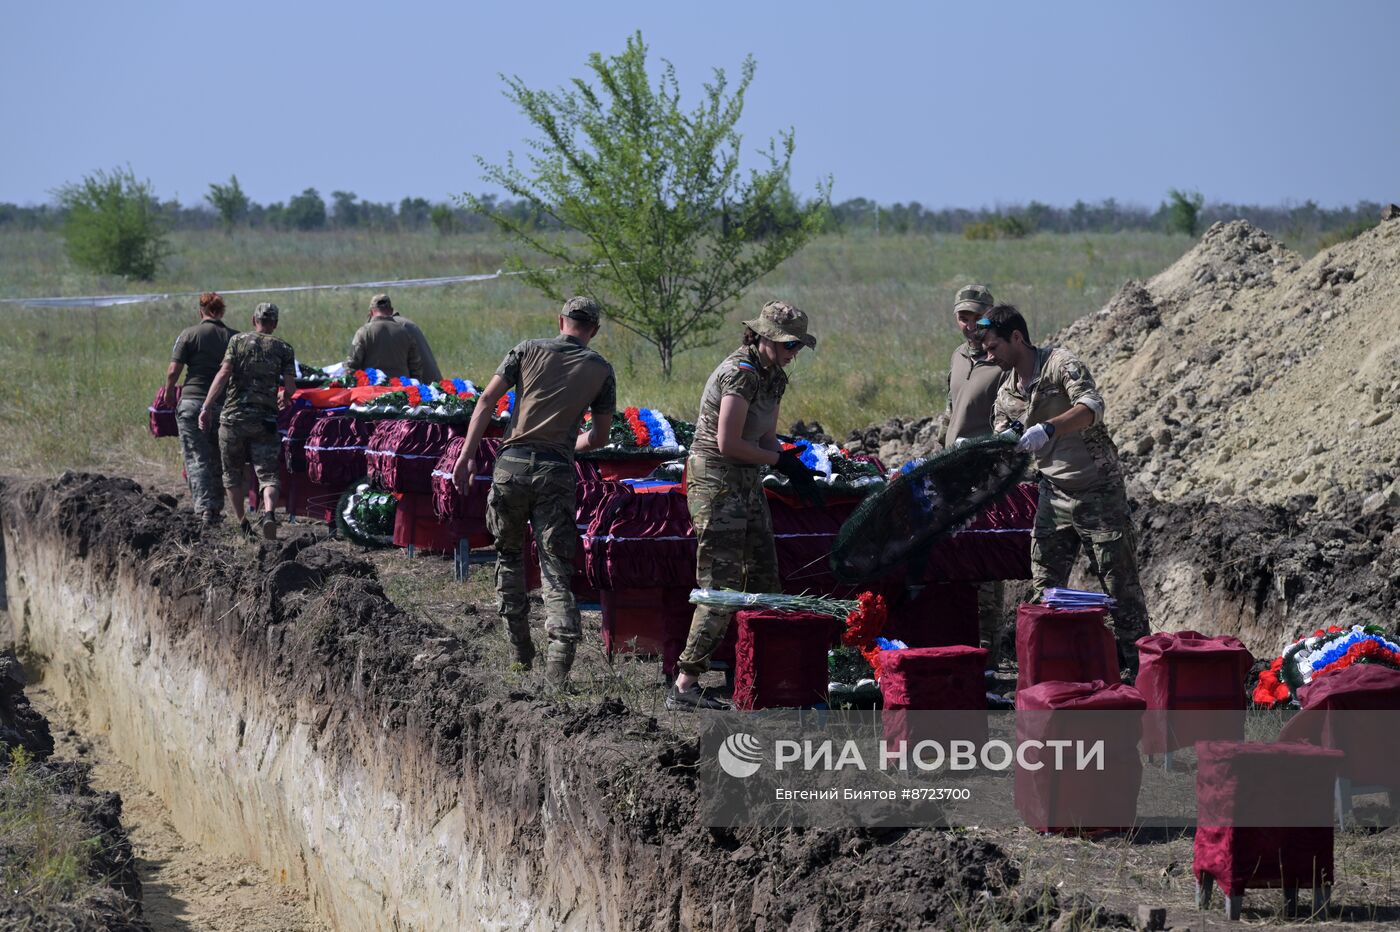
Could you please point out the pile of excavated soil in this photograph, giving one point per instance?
(1252, 396)
(112, 899)
(1247, 374)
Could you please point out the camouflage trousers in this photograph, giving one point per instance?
(734, 547)
(990, 596)
(1098, 519)
(203, 465)
(540, 493)
(255, 440)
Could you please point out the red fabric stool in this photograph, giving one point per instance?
(1067, 799)
(947, 679)
(780, 659)
(416, 525)
(1354, 710)
(938, 615)
(640, 621)
(1240, 789)
(1069, 645)
(1192, 673)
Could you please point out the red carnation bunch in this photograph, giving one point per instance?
(633, 416)
(864, 624)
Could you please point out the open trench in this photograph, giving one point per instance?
(270, 732)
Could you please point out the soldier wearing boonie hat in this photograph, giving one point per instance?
(972, 389)
(533, 486)
(736, 436)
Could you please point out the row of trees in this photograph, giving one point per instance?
(227, 206)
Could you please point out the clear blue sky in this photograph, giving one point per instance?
(966, 104)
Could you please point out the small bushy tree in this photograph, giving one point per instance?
(643, 203)
(114, 225)
(230, 201)
(1184, 212)
(306, 211)
(444, 219)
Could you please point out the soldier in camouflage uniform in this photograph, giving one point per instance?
(736, 436)
(199, 350)
(555, 381)
(255, 364)
(1082, 498)
(972, 388)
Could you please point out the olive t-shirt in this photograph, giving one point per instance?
(555, 381)
(200, 349)
(742, 373)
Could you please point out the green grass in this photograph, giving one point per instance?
(77, 382)
(45, 846)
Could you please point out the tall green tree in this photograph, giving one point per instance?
(643, 204)
(113, 224)
(1184, 211)
(230, 201)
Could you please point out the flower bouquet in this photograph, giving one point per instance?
(1319, 654)
(837, 472)
(361, 378)
(642, 432)
(365, 515)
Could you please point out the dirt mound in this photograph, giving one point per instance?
(43, 804)
(897, 441)
(1247, 374)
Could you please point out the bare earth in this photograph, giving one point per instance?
(183, 887)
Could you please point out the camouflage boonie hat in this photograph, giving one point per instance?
(782, 321)
(382, 302)
(973, 298)
(265, 311)
(582, 308)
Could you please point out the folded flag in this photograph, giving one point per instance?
(1076, 598)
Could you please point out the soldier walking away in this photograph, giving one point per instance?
(555, 381)
(736, 436)
(199, 350)
(972, 388)
(1082, 498)
(384, 342)
(255, 364)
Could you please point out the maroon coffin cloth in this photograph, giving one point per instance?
(1193, 673)
(163, 422)
(451, 505)
(780, 659)
(677, 632)
(641, 542)
(1238, 786)
(803, 537)
(922, 679)
(995, 545)
(1333, 716)
(335, 450)
(402, 454)
(1071, 645)
(297, 429)
(1067, 799)
(934, 615)
(641, 621)
(416, 524)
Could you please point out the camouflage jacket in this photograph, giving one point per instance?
(259, 362)
(1072, 462)
(742, 373)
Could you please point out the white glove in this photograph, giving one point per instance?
(1033, 440)
(961, 442)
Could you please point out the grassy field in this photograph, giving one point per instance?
(77, 382)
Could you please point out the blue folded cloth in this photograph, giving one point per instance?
(1076, 598)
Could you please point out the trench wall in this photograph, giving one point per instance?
(349, 761)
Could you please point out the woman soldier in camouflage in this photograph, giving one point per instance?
(736, 435)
